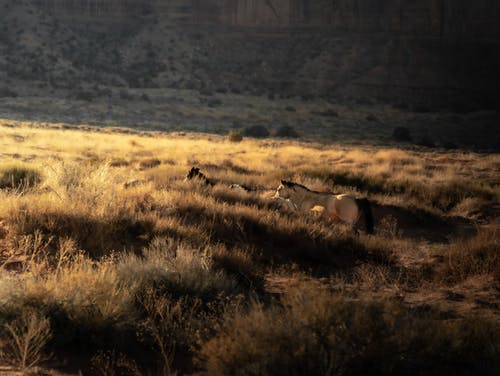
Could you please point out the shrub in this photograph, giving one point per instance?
(286, 131)
(421, 108)
(26, 338)
(257, 131)
(327, 113)
(214, 103)
(5, 92)
(449, 145)
(207, 92)
(149, 163)
(18, 177)
(125, 95)
(84, 96)
(177, 269)
(314, 332)
(234, 136)
(118, 162)
(427, 142)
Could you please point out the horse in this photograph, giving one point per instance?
(195, 173)
(337, 208)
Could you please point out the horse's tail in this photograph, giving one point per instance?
(366, 207)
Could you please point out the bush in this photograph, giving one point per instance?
(427, 142)
(257, 131)
(449, 145)
(214, 103)
(149, 163)
(26, 338)
(84, 96)
(421, 108)
(402, 134)
(327, 113)
(125, 95)
(287, 131)
(234, 136)
(176, 269)
(5, 92)
(18, 177)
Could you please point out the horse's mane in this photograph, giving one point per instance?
(291, 184)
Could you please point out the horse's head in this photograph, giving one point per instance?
(194, 172)
(284, 190)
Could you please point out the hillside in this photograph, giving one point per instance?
(438, 53)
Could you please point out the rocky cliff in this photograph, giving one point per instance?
(464, 18)
(428, 50)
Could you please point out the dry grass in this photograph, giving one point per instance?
(120, 255)
(26, 338)
(479, 255)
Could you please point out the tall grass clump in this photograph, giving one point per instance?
(479, 255)
(84, 203)
(19, 177)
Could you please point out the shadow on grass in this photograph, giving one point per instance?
(275, 239)
(97, 237)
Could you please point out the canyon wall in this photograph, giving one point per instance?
(466, 18)
(436, 50)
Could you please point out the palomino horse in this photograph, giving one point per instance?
(338, 208)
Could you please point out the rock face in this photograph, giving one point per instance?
(464, 18)
(427, 50)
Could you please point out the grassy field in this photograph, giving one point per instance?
(111, 263)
